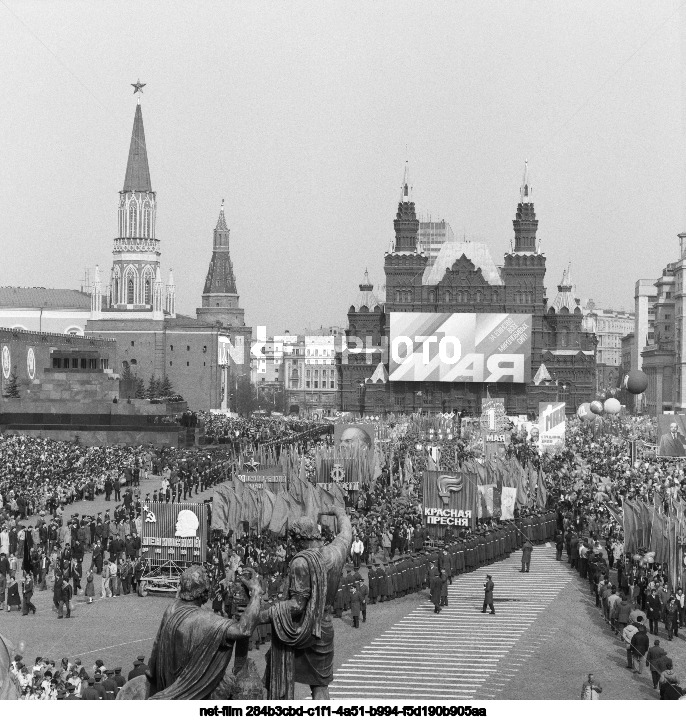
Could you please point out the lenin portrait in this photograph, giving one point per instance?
(672, 443)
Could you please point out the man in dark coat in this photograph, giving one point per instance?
(364, 593)
(89, 693)
(559, 545)
(654, 661)
(444, 588)
(435, 585)
(640, 643)
(110, 686)
(488, 595)
(65, 595)
(653, 611)
(118, 678)
(527, 548)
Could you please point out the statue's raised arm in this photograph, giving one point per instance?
(302, 627)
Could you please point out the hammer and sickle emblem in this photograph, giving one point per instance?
(338, 473)
(446, 485)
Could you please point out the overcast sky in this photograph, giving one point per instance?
(299, 115)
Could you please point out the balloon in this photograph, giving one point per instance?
(612, 406)
(635, 382)
(597, 408)
(584, 412)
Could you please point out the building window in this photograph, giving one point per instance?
(74, 362)
(146, 222)
(56, 362)
(332, 384)
(132, 219)
(147, 291)
(307, 384)
(188, 347)
(84, 364)
(132, 343)
(129, 291)
(447, 298)
(170, 362)
(187, 363)
(171, 347)
(93, 364)
(204, 349)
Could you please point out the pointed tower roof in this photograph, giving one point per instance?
(405, 188)
(137, 170)
(220, 277)
(406, 224)
(525, 224)
(221, 222)
(366, 297)
(525, 190)
(565, 297)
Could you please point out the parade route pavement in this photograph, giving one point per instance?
(546, 636)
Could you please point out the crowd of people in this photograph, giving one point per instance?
(587, 482)
(45, 679)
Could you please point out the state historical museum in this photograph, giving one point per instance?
(464, 280)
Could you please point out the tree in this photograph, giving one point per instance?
(153, 388)
(140, 388)
(166, 388)
(12, 386)
(271, 399)
(245, 396)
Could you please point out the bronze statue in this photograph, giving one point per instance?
(193, 646)
(9, 690)
(302, 627)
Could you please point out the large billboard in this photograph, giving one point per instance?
(460, 347)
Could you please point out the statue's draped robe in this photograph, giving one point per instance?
(302, 644)
(9, 690)
(190, 653)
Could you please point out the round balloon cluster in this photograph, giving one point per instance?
(606, 403)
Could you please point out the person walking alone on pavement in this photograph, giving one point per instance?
(435, 587)
(355, 605)
(527, 548)
(27, 593)
(590, 691)
(488, 595)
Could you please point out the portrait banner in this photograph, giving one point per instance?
(671, 434)
(174, 532)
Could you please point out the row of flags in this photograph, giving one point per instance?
(659, 528)
(236, 503)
